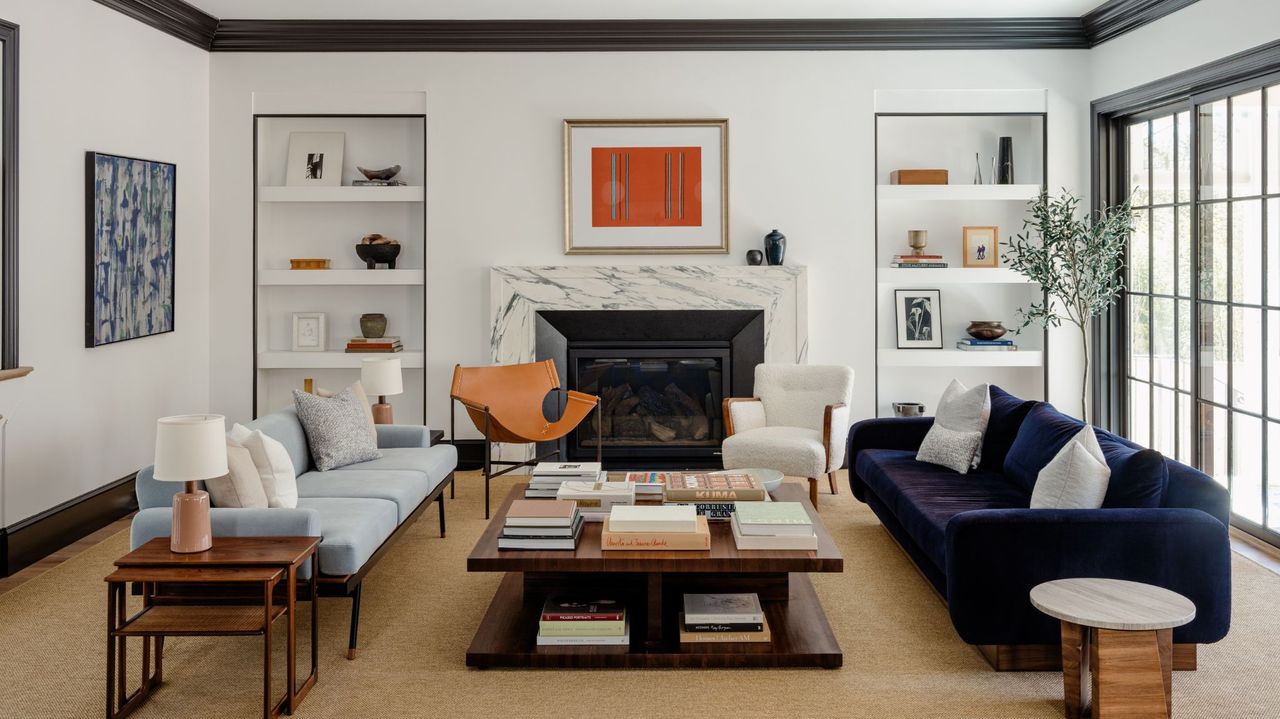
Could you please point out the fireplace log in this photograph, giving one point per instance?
(661, 431)
(682, 401)
(653, 403)
(626, 406)
(698, 427)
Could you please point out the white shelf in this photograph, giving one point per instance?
(950, 275)
(340, 277)
(332, 360)
(345, 193)
(965, 193)
(960, 358)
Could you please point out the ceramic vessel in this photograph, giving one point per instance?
(375, 254)
(917, 240)
(908, 409)
(986, 329)
(755, 257)
(1004, 162)
(373, 325)
(775, 247)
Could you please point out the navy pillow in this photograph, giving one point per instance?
(1007, 414)
(1042, 434)
(1138, 476)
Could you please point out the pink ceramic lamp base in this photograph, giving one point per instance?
(191, 529)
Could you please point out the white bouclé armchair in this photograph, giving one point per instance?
(796, 423)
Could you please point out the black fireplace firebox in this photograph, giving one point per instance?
(661, 376)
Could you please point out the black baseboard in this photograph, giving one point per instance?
(35, 538)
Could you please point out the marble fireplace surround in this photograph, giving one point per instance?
(517, 293)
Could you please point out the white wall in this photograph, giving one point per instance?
(801, 160)
(93, 79)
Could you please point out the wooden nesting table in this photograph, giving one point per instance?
(652, 584)
(1124, 632)
(233, 589)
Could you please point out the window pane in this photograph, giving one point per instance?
(1184, 251)
(1139, 337)
(1164, 428)
(1273, 251)
(1184, 156)
(1139, 253)
(1246, 358)
(1273, 363)
(1213, 442)
(1140, 412)
(1184, 428)
(1246, 252)
(1212, 169)
(1273, 139)
(1246, 466)
(1163, 336)
(1138, 148)
(1273, 475)
(1213, 251)
(1246, 144)
(1162, 160)
(1162, 251)
(1213, 353)
(1184, 344)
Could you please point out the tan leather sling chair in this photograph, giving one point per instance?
(505, 404)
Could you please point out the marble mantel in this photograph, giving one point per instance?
(517, 293)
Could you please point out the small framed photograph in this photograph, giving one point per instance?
(919, 319)
(308, 332)
(315, 159)
(982, 247)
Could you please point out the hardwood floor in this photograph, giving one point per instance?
(25, 575)
(1247, 545)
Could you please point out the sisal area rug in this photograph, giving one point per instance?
(902, 658)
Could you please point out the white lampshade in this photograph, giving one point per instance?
(380, 376)
(191, 447)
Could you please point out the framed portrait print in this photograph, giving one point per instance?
(315, 159)
(646, 186)
(918, 319)
(982, 247)
(308, 332)
(130, 218)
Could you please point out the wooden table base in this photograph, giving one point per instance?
(1132, 673)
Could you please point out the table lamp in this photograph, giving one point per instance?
(381, 376)
(191, 448)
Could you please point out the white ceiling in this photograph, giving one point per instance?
(636, 9)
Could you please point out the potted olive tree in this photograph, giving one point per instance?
(1076, 259)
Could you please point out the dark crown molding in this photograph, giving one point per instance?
(1244, 65)
(175, 17)
(189, 23)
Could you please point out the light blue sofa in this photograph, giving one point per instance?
(358, 509)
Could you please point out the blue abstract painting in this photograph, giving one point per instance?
(130, 215)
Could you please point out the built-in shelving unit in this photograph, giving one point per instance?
(943, 130)
(327, 222)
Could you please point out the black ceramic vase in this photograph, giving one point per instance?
(775, 247)
(755, 257)
(1004, 163)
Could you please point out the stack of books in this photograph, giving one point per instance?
(655, 527)
(918, 261)
(970, 344)
(723, 618)
(571, 622)
(374, 344)
(650, 483)
(533, 524)
(713, 495)
(378, 183)
(773, 525)
(548, 476)
(596, 499)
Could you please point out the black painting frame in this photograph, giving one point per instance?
(899, 318)
(9, 198)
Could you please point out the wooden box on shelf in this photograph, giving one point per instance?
(918, 177)
(308, 263)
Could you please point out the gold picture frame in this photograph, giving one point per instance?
(981, 246)
(672, 230)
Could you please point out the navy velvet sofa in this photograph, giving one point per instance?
(974, 537)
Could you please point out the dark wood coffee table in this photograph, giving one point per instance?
(652, 584)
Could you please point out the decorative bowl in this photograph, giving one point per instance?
(770, 478)
(986, 329)
(375, 254)
(385, 173)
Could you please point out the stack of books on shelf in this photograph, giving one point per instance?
(773, 525)
(601, 622)
(655, 527)
(970, 344)
(374, 344)
(534, 524)
(596, 499)
(723, 618)
(713, 495)
(378, 183)
(918, 261)
(548, 476)
(650, 483)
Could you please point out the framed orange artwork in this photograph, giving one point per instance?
(646, 186)
(982, 247)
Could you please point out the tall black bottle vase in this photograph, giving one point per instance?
(775, 247)
(1004, 165)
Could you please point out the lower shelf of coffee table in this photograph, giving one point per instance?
(801, 636)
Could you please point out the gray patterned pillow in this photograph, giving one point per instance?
(337, 429)
(955, 439)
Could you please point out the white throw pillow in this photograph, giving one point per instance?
(1076, 477)
(955, 439)
(279, 480)
(241, 487)
(357, 391)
